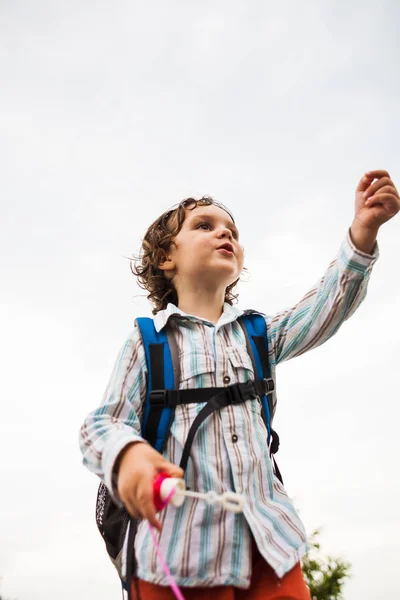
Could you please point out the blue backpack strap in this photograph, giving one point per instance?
(157, 417)
(255, 330)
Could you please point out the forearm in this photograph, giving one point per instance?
(321, 312)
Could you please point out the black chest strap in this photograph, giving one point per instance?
(232, 394)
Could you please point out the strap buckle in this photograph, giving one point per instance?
(240, 392)
(269, 385)
(158, 398)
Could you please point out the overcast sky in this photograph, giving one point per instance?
(109, 114)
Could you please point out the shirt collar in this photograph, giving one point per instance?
(229, 314)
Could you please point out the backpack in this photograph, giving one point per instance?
(116, 526)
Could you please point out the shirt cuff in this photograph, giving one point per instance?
(354, 260)
(114, 446)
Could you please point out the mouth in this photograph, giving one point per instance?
(226, 248)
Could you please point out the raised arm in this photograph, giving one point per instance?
(321, 312)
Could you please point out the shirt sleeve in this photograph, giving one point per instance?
(321, 312)
(116, 422)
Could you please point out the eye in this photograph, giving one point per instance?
(202, 224)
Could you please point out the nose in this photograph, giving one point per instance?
(225, 232)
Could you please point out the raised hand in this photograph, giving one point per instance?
(377, 199)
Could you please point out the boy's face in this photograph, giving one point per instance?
(196, 258)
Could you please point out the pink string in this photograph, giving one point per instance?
(172, 582)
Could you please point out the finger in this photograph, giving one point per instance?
(141, 506)
(131, 508)
(149, 512)
(145, 501)
(369, 177)
(387, 201)
(128, 495)
(170, 469)
(385, 182)
(365, 182)
(385, 193)
(387, 190)
(378, 174)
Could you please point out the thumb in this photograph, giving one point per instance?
(365, 182)
(170, 469)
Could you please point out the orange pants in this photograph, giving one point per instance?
(264, 585)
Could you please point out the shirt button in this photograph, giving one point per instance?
(234, 438)
(226, 379)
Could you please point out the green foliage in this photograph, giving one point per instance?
(324, 576)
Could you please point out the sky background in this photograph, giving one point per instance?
(109, 114)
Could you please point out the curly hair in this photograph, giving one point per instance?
(155, 245)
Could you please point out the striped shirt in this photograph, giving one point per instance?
(204, 545)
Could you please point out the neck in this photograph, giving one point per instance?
(202, 304)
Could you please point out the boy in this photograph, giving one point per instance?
(191, 261)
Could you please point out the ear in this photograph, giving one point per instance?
(167, 264)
